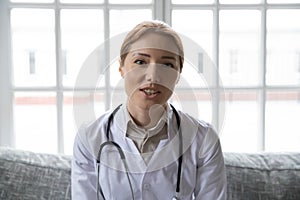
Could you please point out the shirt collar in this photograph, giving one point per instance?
(142, 132)
(123, 118)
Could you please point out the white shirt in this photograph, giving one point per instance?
(146, 139)
(203, 173)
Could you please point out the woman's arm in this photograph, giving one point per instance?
(211, 174)
(84, 176)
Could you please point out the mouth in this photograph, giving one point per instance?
(150, 92)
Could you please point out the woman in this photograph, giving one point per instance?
(145, 149)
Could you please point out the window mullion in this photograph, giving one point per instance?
(160, 10)
(262, 99)
(7, 137)
(59, 85)
(217, 117)
(107, 86)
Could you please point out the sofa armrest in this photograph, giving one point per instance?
(266, 176)
(27, 175)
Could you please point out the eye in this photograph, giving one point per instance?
(140, 62)
(169, 65)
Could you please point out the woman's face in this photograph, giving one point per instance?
(151, 70)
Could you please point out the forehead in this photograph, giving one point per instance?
(155, 41)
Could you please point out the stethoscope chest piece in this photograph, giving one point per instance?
(175, 197)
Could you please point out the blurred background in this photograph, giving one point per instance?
(254, 44)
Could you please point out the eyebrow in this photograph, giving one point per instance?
(147, 55)
(141, 54)
(168, 57)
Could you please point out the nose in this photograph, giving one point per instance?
(152, 73)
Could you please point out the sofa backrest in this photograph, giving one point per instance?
(263, 176)
(30, 176)
(35, 176)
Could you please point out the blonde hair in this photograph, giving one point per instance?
(154, 26)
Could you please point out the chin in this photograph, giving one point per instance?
(147, 105)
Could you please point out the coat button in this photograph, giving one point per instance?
(146, 186)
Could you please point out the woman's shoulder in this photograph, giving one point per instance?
(92, 134)
(94, 125)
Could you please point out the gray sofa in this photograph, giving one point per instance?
(30, 176)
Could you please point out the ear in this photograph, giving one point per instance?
(121, 69)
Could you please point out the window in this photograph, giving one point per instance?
(242, 68)
(50, 42)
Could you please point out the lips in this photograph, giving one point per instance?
(150, 92)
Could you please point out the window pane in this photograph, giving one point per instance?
(191, 77)
(241, 126)
(283, 47)
(81, 32)
(282, 121)
(118, 96)
(116, 78)
(240, 1)
(194, 102)
(199, 31)
(131, 1)
(33, 44)
(69, 125)
(35, 121)
(239, 47)
(192, 2)
(121, 22)
(283, 1)
(32, 1)
(89, 106)
(81, 1)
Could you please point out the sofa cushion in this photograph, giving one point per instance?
(33, 176)
(264, 176)
(26, 175)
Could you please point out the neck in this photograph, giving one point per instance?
(146, 118)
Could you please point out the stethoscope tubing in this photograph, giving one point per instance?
(122, 155)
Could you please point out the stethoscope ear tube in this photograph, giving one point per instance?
(110, 119)
(180, 151)
(121, 153)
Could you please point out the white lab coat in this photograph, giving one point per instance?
(203, 173)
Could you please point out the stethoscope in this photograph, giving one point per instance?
(122, 155)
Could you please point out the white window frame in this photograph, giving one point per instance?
(6, 125)
(263, 88)
(7, 137)
(161, 10)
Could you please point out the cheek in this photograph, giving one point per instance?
(133, 79)
(169, 77)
